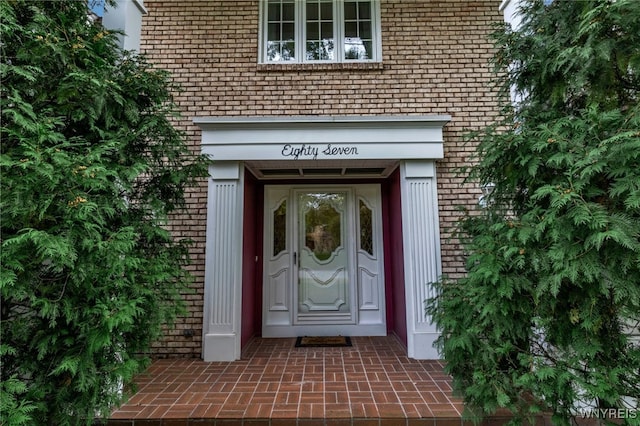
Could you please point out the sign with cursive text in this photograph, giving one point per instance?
(311, 152)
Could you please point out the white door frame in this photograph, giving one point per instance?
(280, 297)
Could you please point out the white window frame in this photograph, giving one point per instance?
(338, 33)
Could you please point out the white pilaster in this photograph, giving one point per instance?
(422, 263)
(223, 267)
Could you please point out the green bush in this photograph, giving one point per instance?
(92, 167)
(546, 320)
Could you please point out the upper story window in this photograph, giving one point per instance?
(315, 31)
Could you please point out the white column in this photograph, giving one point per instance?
(223, 265)
(422, 264)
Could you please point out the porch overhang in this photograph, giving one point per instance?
(322, 138)
(314, 145)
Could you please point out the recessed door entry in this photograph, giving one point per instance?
(323, 261)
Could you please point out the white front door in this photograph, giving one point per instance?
(323, 253)
(323, 261)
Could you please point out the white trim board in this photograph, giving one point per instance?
(322, 138)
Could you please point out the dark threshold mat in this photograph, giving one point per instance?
(323, 341)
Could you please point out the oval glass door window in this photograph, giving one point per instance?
(322, 223)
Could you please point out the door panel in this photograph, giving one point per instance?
(324, 270)
(369, 248)
(277, 255)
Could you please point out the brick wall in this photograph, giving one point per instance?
(435, 61)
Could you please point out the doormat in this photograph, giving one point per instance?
(323, 341)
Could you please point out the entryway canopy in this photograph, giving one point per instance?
(298, 147)
(322, 138)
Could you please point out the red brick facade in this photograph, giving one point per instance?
(435, 60)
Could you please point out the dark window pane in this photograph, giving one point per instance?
(327, 30)
(368, 47)
(274, 32)
(326, 11)
(280, 229)
(288, 51)
(350, 13)
(366, 228)
(365, 30)
(365, 10)
(287, 31)
(313, 31)
(274, 11)
(350, 29)
(288, 12)
(312, 11)
(323, 223)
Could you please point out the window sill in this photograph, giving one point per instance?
(338, 66)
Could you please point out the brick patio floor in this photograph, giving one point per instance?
(372, 383)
